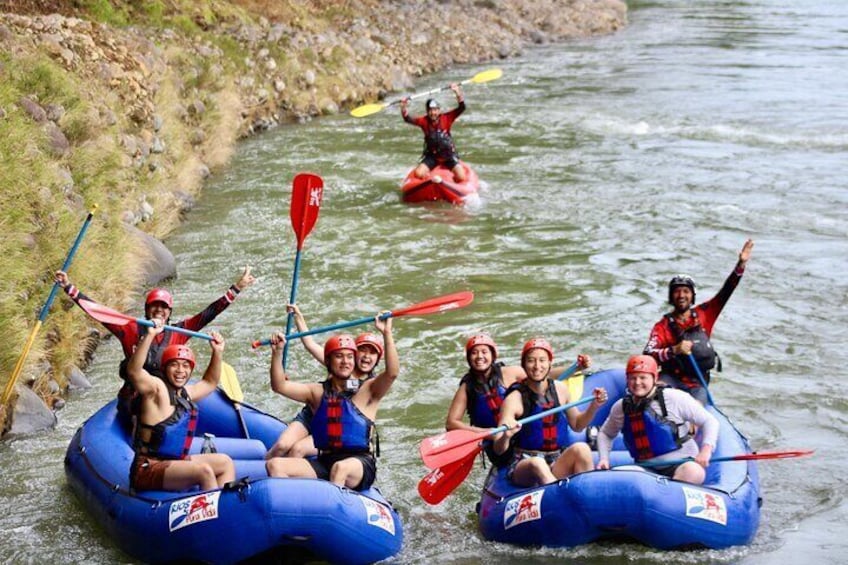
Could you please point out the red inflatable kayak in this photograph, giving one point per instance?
(440, 186)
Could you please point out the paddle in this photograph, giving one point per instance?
(442, 481)
(700, 376)
(431, 306)
(479, 78)
(10, 384)
(307, 193)
(743, 457)
(452, 446)
(229, 383)
(569, 372)
(106, 315)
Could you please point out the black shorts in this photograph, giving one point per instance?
(323, 463)
(305, 417)
(432, 162)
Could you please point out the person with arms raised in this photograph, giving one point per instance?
(684, 334)
(158, 304)
(657, 424)
(439, 148)
(343, 426)
(541, 453)
(167, 416)
(296, 439)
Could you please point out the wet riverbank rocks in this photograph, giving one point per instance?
(167, 104)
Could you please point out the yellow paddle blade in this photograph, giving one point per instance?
(229, 383)
(366, 110)
(575, 385)
(486, 76)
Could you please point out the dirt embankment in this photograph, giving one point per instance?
(134, 116)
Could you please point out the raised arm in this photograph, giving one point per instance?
(203, 318)
(576, 419)
(212, 375)
(381, 384)
(308, 342)
(141, 380)
(280, 382)
(511, 410)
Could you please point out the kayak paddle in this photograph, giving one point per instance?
(455, 445)
(106, 315)
(368, 109)
(307, 193)
(743, 457)
(10, 384)
(440, 482)
(431, 306)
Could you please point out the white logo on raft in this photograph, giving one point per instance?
(378, 515)
(188, 511)
(705, 505)
(524, 508)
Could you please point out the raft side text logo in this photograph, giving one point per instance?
(524, 508)
(378, 515)
(188, 511)
(705, 505)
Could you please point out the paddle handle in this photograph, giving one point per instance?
(569, 372)
(341, 325)
(700, 376)
(66, 265)
(292, 298)
(177, 329)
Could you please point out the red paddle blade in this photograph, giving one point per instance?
(438, 304)
(104, 314)
(439, 483)
(449, 447)
(771, 455)
(307, 193)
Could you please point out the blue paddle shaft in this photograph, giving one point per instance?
(324, 329)
(179, 330)
(544, 414)
(46, 308)
(292, 298)
(700, 376)
(570, 371)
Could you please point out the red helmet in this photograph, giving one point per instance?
(338, 342)
(538, 343)
(482, 339)
(159, 295)
(373, 341)
(642, 364)
(175, 352)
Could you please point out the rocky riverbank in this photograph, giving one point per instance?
(133, 108)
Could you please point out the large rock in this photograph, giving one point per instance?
(31, 414)
(160, 263)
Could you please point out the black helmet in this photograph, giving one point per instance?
(431, 103)
(680, 280)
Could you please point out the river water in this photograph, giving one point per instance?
(610, 164)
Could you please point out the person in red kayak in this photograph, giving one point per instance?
(439, 148)
(687, 329)
(158, 304)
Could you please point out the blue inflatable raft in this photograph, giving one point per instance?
(629, 505)
(257, 517)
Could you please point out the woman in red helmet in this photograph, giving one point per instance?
(656, 421)
(296, 439)
(167, 417)
(482, 389)
(158, 304)
(542, 454)
(439, 148)
(343, 425)
(687, 329)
